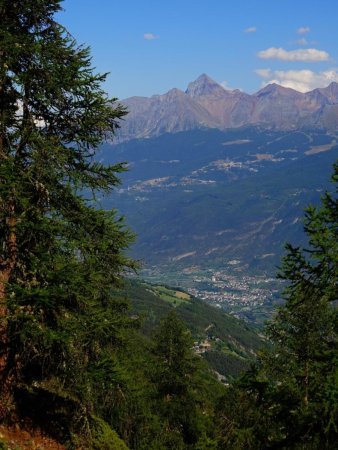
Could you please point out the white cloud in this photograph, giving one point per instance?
(150, 36)
(308, 54)
(250, 30)
(300, 80)
(303, 30)
(264, 73)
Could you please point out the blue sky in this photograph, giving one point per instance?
(150, 46)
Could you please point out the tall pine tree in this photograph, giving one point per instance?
(289, 400)
(60, 257)
(179, 390)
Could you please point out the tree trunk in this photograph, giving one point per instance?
(7, 266)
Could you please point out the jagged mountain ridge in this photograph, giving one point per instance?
(206, 104)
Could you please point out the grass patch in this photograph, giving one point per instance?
(172, 296)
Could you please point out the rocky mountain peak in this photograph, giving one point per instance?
(204, 85)
(275, 89)
(330, 92)
(174, 93)
(207, 104)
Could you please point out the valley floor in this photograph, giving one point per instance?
(252, 297)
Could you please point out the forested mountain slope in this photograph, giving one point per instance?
(228, 344)
(208, 197)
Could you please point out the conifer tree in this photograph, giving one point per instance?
(60, 256)
(305, 332)
(174, 376)
(289, 400)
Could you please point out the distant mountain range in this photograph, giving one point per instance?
(206, 104)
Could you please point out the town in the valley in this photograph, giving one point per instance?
(248, 296)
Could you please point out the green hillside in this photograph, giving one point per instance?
(228, 344)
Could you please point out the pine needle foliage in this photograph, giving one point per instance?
(289, 399)
(60, 256)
